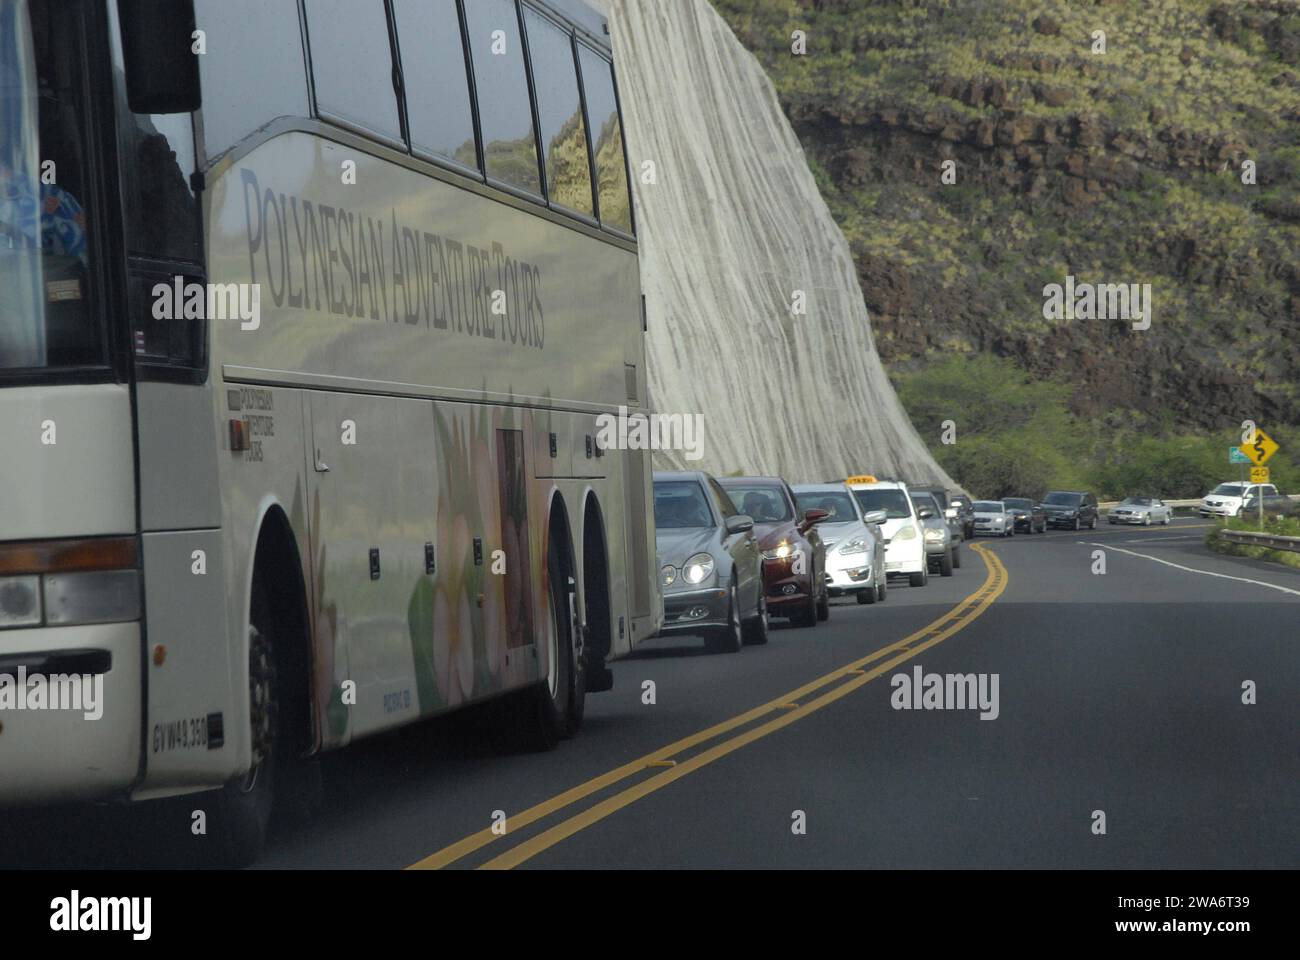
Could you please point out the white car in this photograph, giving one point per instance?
(904, 545)
(1227, 499)
(855, 547)
(1142, 510)
(992, 516)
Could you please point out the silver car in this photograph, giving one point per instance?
(711, 573)
(940, 548)
(855, 547)
(991, 516)
(1141, 510)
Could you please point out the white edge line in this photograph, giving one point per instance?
(1179, 566)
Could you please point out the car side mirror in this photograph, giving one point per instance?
(814, 515)
(740, 523)
(875, 516)
(951, 513)
(925, 513)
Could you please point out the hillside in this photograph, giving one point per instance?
(1115, 167)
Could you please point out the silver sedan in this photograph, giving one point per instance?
(1141, 510)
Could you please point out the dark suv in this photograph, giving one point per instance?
(1073, 509)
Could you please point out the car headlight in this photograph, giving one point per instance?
(907, 532)
(856, 545)
(669, 574)
(780, 552)
(698, 568)
(934, 536)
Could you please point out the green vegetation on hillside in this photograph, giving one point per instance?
(1015, 436)
(1116, 167)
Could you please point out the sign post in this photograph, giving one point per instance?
(1260, 450)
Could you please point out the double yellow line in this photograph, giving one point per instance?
(787, 708)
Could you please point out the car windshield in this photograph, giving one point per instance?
(1063, 499)
(1228, 490)
(764, 503)
(681, 504)
(892, 500)
(1138, 501)
(1019, 503)
(838, 505)
(45, 319)
(989, 506)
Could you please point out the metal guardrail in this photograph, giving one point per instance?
(1251, 539)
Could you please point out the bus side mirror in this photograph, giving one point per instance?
(162, 72)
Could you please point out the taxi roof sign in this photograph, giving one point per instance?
(862, 478)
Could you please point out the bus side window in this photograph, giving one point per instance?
(559, 109)
(505, 109)
(352, 65)
(437, 83)
(253, 71)
(603, 121)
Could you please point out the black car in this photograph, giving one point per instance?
(965, 514)
(1073, 509)
(1029, 516)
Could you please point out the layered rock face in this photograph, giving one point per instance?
(1120, 142)
(755, 315)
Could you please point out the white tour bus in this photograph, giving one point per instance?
(309, 312)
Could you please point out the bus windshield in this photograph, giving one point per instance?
(45, 319)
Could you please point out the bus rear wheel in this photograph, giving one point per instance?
(559, 699)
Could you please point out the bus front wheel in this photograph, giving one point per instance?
(246, 802)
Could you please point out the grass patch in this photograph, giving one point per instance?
(1279, 526)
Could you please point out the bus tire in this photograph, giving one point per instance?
(554, 698)
(246, 803)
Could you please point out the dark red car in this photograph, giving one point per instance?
(794, 559)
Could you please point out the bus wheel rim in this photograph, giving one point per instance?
(261, 705)
(553, 653)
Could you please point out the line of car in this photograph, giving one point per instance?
(736, 551)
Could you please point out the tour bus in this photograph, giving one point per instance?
(310, 311)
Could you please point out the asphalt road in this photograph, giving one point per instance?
(1118, 692)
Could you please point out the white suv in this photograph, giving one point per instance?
(904, 543)
(1227, 499)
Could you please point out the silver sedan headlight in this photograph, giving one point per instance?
(856, 545)
(698, 568)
